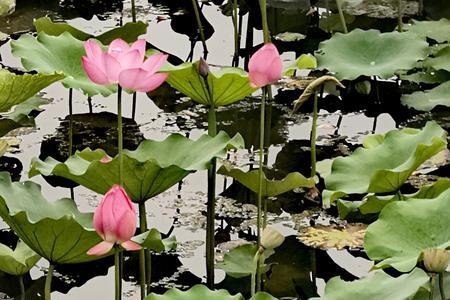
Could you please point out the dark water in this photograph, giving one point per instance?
(343, 122)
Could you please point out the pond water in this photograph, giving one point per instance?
(180, 211)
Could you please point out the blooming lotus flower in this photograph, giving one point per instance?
(265, 66)
(115, 222)
(124, 64)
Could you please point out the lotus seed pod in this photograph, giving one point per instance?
(436, 260)
(271, 238)
(203, 68)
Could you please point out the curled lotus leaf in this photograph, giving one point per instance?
(334, 237)
(48, 54)
(195, 293)
(271, 188)
(376, 286)
(404, 229)
(18, 261)
(151, 169)
(429, 99)
(384, 163)
(370, 53)
(228, 84)
(436, 30)
(152, 240)
(304, 61)
(55, 230)
(128, 32)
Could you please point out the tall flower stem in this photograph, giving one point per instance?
(236, 33)
(142, 267)
(118, 278)
(341, 15)
(70, 121)
(22, 288)
(254, 271)
(200, 26)
(120, 133)
(314, 136)
(133, 10)
(48, 282)
(400, 15)
(441, 286)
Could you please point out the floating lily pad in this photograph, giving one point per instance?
(427, 76)
(152, 240)
(49, 54)
(18, 261)
(384, 163)
(195, 293)
(128, 32)
(56, 230)
(149, 170)
(370, 53)
(334, 237)
(376, 286)
(228, 84)
(271, 188)
(290, 37)
(436, 30)
(405, 228)
(427, 100)
(15, 89)
(439, 61)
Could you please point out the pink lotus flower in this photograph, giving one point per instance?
(115, 222)
(265, 66)
(124, 64)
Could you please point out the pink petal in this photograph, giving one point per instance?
(93, 51)
(276, 70)
(131, 59)
(126, 226)
(152, 82)
(265, 63)
(101, 249)
(98, 221)
(155, 62)
(258, 79)
(140, 45)
(94, 71)
(129, 79)
(112, 68)
(105, 159)
(131, 246)
(117, 48)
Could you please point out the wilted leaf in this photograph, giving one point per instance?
(334, 237)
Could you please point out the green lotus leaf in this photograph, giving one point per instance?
(271, 188)
(370, 53)
(238, 262)
(427, 76)
(376, 286)
(152, 240)
(436, 30)
(56, 230)
(427, 100)
(372, 204)
(228, 84)
(49, 54)
(424, 293)
(440, 60)
(383, 167)
(263, 296)
(148, 171)
(304, 61)
(129, 32)
(197, 292)
(18, 261)
(19, 116)
(15, 89)
(405, 228)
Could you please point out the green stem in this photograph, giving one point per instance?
(120, 133)
(314, 136)
(48, 282)
(148, 267)
(341, 15)
(254, 271)
(263, 7)
(432, 283)
(118, 281)
(236, 33)
(200, 26)
(22, 288)
(133, 10)
(70, 122)
(399, 16)
(142, 268)
(261, 157)
(264, 225)
(441, 286)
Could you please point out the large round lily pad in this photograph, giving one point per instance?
(429, 99)
(149, 170)
(405, 228)
(370, 53)
(56, 230)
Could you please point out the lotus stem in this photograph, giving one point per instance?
(200, 27)
(441, 286)
(314, 136)
(265, 214)
(142, 266)
(89, 100)
(236, 33)
(118, 281)
(48, 282)
(211, 205)
(70, 122)
(133, 108)
(148, 267)
(254, 270)
(420, 7)
(120, 133)
(263, 7)
(341, 15)
(22, 288)
(400, 15)
(133, 10)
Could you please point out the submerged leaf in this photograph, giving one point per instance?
(370, 53)
(271, 188)
(429, 99)
(406, 228)
(147, 171)
(334, 237)
(56, 230)
(19, 261)
(152, 240)
(197, 292)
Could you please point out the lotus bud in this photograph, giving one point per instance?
(203, 68)
(105, 159)
(115, 222)
(265, 66)
(271, 238)
(436, 260)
